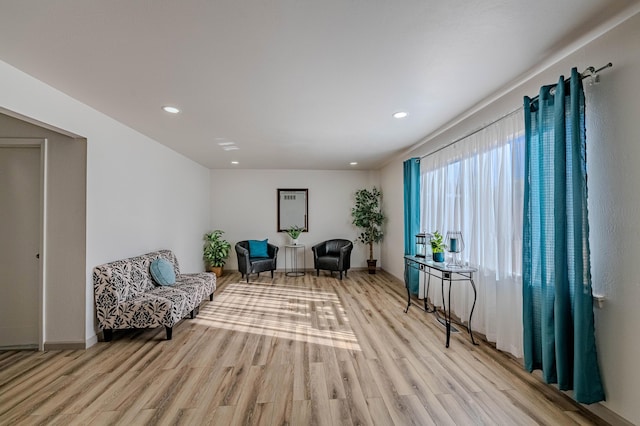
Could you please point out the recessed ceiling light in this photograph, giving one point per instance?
(400, 114)
(234, 162)
(230, 148)
(170, 109)
(353, 163)
(225, 143)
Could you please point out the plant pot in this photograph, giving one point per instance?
(371, 264)
(216, 270)
(438, 257)
(294, 241)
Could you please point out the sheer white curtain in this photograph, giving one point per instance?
(476, 186)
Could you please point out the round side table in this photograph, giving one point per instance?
(291, 267)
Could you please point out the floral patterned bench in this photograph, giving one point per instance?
(127, 297)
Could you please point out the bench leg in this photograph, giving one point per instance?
(169, 332)
(107, 334)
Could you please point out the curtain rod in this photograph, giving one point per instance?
(588, 72)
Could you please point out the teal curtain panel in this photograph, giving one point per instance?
(411, 218)
(559, 334)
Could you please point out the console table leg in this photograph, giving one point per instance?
(426, 294)
(475, 296)
(449, 317)
(408, 300)
(406, 284)
(447, 324)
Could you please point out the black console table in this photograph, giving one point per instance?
(445, 272)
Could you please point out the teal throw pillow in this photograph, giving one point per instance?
(162, 272)
(258, 248)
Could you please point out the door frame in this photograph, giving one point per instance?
(42, 144)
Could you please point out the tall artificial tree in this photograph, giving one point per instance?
(367, 215)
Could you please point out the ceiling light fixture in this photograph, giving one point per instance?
(230, 148)
(234, 162)
(400, 114)
(353, 163)
(225, 143)
(170, 109)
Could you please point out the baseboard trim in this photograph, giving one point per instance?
(607, 414)
(357, 268)
(19, 348)
(91, 341)
(64, 346)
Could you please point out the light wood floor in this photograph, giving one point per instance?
(297, 351)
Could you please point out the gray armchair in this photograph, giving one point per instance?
(248, 264)
(332, 255)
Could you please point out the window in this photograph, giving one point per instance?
(476, 186)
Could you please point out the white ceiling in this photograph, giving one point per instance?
(295, 84)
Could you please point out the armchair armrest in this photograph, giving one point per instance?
(243, 259)
(346, 249)
(272, 250)
(319, 250)
(345, 256)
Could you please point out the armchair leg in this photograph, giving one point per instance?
(340, 275)
(211, 297)
(272, 273)
(107, 334)
(317, 272)
(247, 278)
(169, 331)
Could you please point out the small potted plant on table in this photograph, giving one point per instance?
(215, 251)
(294, 232)
(437, 247)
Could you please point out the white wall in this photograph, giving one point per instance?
(244, 205)
(392, 248)
(140, 195)
(613, 158)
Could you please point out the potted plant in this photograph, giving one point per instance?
(367, 215)
(215, 251)
(437, 247)
(294, 232)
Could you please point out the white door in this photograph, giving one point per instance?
(19, 246)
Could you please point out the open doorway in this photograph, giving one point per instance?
(20, 244)
(61, 299)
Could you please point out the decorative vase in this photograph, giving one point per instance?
(455, 247)
(438, 257)
(294, 241)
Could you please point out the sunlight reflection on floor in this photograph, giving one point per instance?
(288, 312)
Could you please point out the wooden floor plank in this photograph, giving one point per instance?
(285, 351)
(247, 410)
(379, 412)
(320, 409)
